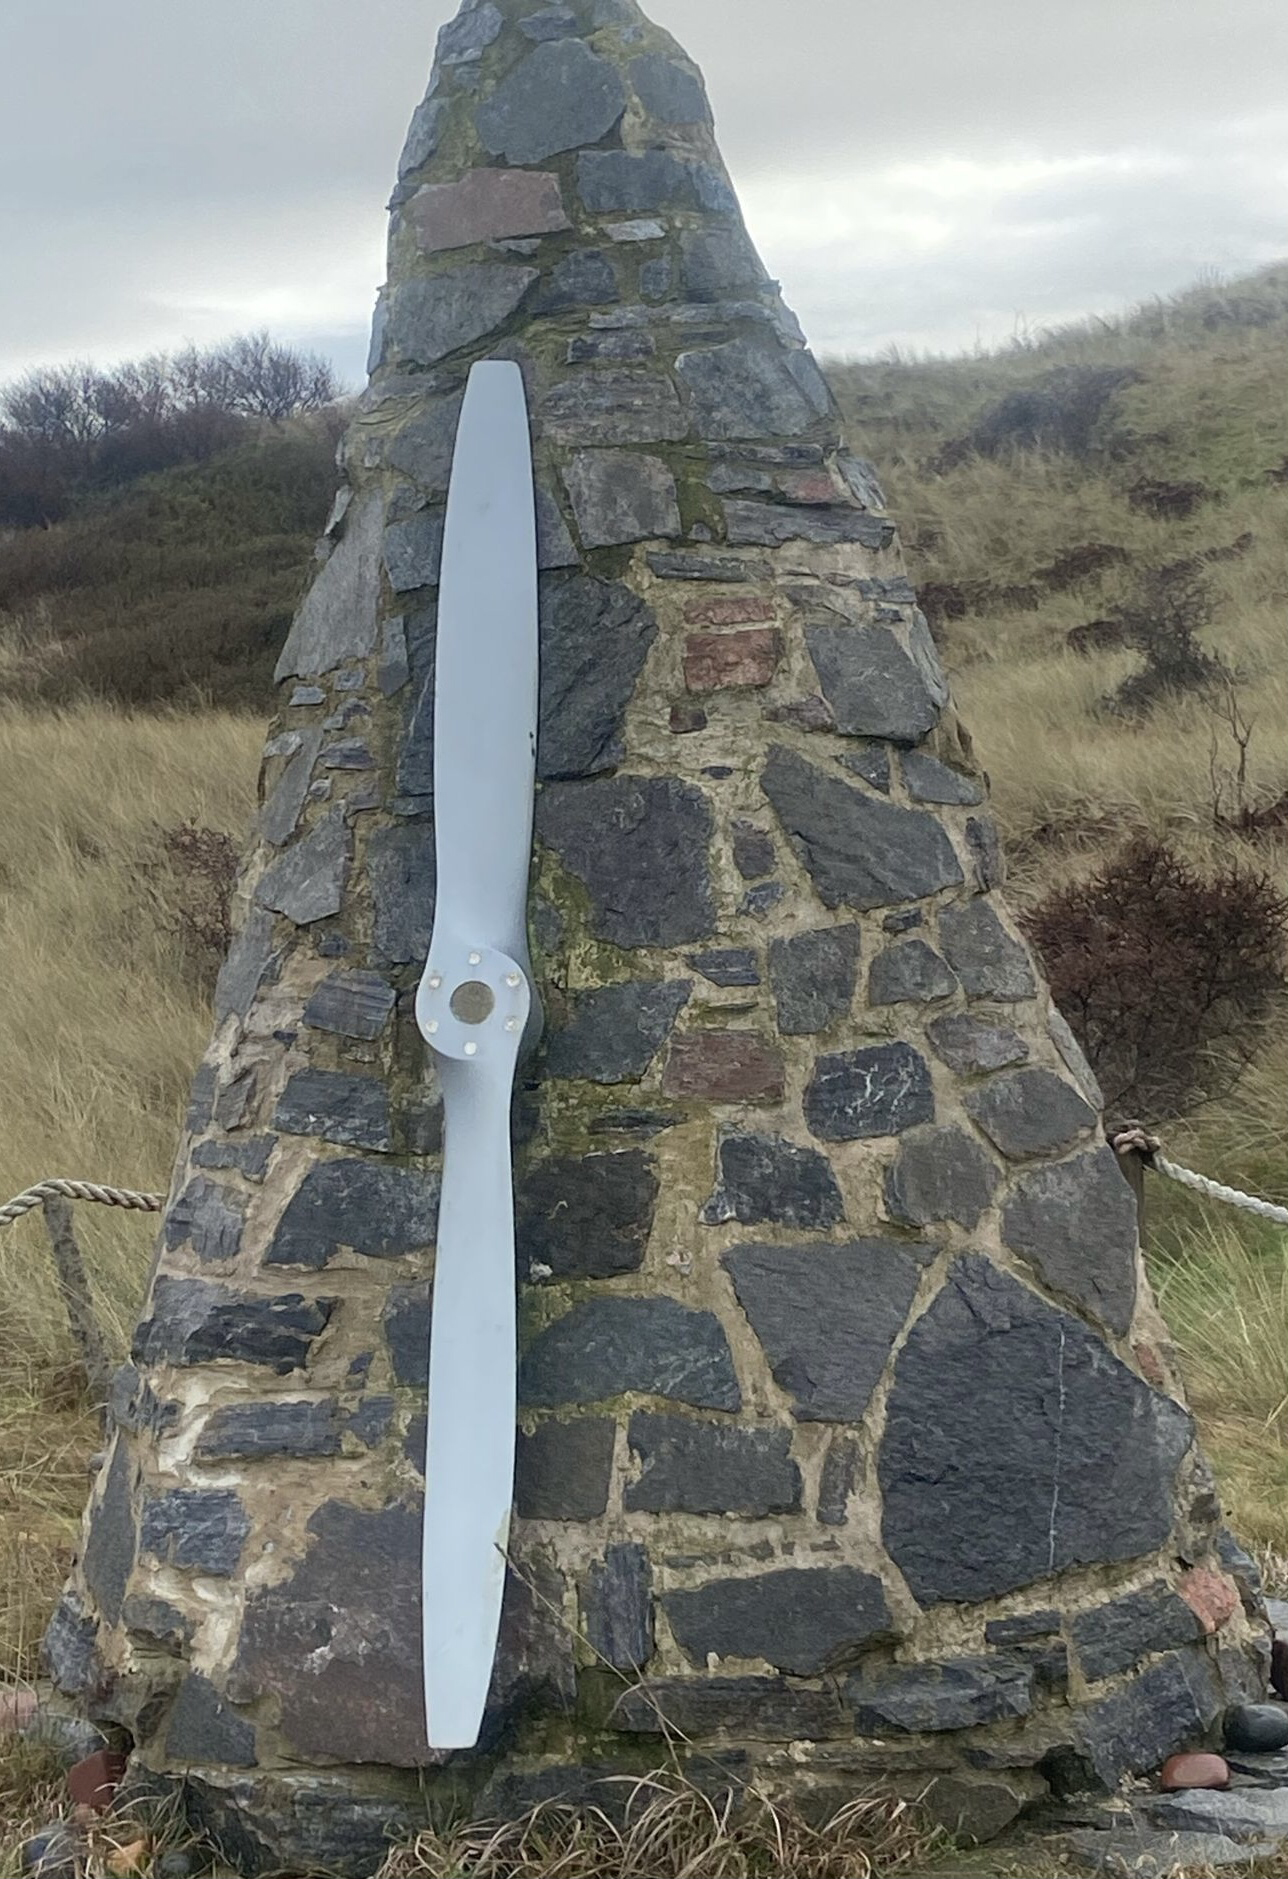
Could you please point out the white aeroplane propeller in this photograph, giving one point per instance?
(475, 1004)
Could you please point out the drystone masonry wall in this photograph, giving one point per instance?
(851, 1447)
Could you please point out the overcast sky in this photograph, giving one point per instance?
(927, 174)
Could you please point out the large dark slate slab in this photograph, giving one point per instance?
(68, 1647)
(876, 685)
(1030, 1112)
(159, 1622)
(972, 1046)
(622, 836)
(727, 569)
(281, 812)
(382, 1212)
(605, 1347)
(749, 388)
(1117, 1636)
(911, 973)
(828, 1317)
(612, 1034)
(1076, 1223)
(799, 1620)
(617, 1608)
(763, 1709)
(401, 871)
(250, 960)
(208, 1216)
(249, 1158)
(859, 852)
(941, 1174)
(959, 1693)
(192, 1322)
(413, 551)
(406, 1318)
(621, 496)
(773, 524)
(624, 405)
(339, 619)
(195, 1531)
(1168, 1707)
(595, 637)
(351, 1111)
(1018, 1446)
(813, 975)
(247, 1431)
(585, 278)
(204, 1729)
(616, 181)
(989, 963)
(718, 264)
(351, 1004)
(586, 1216)
(928, 780)
(560, 97)
(308, 882)
(564, 1469)
(727, 965)
(691, 1467)
(109, 1551)
(671, 92)
(859, 1095)
(763, 1178)
(434, 315)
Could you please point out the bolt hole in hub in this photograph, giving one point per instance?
(473, 1002)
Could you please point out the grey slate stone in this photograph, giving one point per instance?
(859, 853)
(560, 97)
(352, 1111)
(192, 1322)
(860, 1095)
(250, 959)
(745, 389)
(623, 835)
(422, 136)
(871, 763)
(928, 780)
(564, 1469)
(725, 569)
(248, 1431)
(827, 1316)
(584, 278)
(911, 973)
(617, 1607)
(620, 496)
(876, 685)
(201, 1098)
(422, 447)
(989, 963)
(1117, 1636)
(716, 263)
(351, 1004)
(613, 405)
(1030, 1112)
(69, 1644)
(767, 1709)
(617, 346)
(586, 1216)
(1167, 1707)
(761, 900)
(281, 812)
(208, 1216)
(1043, 1450)
(972, 1046)
(339, 619)
(204, 1729)
(195, 1531)
(772, 524)
(1076, 1223)
(393, 671)
(690, 1467)
(134, 1405)
(612, 1034)
(959, 1693)
(413, 551)
(464, 38)
(985, 845)
(838, 1481)
(595, 637)
(250, 1158)
(814, 976)
(764, 1178)
(407, 1318)
(799, 1619)
(436, 315)
(550, 23)
(554, 543)
(308, 882)
(670, 92)
(109, 1551)
(400, 869)
(1074, 1058)
(1024, 1629)
(605, 1347)
(381, 1212)
(753, 850)
(941, 1174)
(159, 1622)
(615, 182)
(729, 966)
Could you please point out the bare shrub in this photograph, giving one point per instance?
(1165, 976)
(202, 864)
(1161, 620)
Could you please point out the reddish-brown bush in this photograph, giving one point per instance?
(1164, 975)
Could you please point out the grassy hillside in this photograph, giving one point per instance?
(1050, 488)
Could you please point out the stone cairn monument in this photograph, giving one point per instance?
(851, 1453)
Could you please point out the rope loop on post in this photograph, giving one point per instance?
(1132, 1139)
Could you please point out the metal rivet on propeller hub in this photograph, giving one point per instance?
(473, 1002)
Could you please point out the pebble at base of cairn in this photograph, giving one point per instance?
(850, 1444)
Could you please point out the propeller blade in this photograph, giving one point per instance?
(474, 1006)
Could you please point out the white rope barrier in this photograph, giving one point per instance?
(34, 1197)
